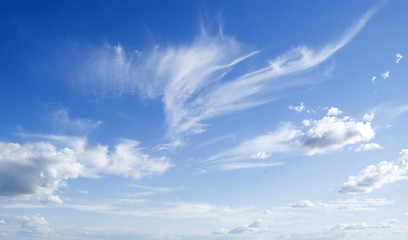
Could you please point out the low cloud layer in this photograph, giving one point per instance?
(35, 170)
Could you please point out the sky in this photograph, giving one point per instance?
(203, 119)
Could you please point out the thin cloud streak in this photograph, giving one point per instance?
(193, 80)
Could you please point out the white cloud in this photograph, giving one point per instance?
(62, 122)
(255, 227)
(333, 111)
(376, 176)
(386, 74)
(373, 79)
(192, 79)
(30, 226)
(327, 134)
(299, 108)
(331, 133)
(368, 147)
(251, 153)
(36, 170)
(388, 111)
(368, 117)
(399, 57)
(342, 205)
(362, 226)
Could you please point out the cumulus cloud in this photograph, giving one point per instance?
(376, 176)
(327, 134)
(399, 57)
(333, 111)
(342, 205)
(368, 147)
(193, 79)
(331, 133)
(386, 74)
(36, 170)
(373, 79)
(299, 108)
(255, 227)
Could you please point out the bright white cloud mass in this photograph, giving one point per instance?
(203, 120)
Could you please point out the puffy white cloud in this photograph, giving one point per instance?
(342, 205)
(331, 133)
(376, 176)
(368, 117)
(192, 79)
(299, 108)
(35, 170)
(373, 79)
(388, 111)
(386, 74)
(368, 147)
(399, 57)
(333, 111)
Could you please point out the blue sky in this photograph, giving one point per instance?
(203, 120)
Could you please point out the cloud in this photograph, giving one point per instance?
(36, 170)
(333, 111)
(332, 133)
(386, 74)
(327, 134)
(252, 153)
(368, 147)
(62, 122)
(388, 111)
(299, 108)
(193, 81)
(255, 227)
(351, 205)
(373, 79)
(31, 226)
(368, 117)
(399, 57)
(362, 226)
(376, 176)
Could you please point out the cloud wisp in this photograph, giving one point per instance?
(194, 81)
(327, 134)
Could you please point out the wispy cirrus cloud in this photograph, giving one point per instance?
(194, 80)
(398, 57)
